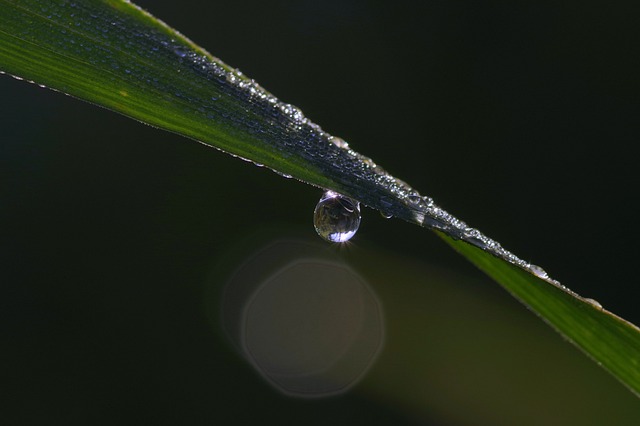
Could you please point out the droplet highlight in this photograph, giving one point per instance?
(336, 217)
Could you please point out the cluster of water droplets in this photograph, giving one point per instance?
(337, 217)
(426, 213)
(285, 128)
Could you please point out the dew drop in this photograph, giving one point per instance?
(336, 218)
(385, 215)
(538, 271)
(593, 303)
(284, 175)
(369, 162)
(339, 142)
(414, 198)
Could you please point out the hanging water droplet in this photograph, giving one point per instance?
(336, 218)
(385, 215)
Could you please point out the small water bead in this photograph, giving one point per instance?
(339, 142)
(414, 198)
(369, 162)
(594, 303)
(284, 175)
(473, 236)
(538, 271)
(336, 218)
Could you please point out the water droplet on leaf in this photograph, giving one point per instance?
(336, 218)
(339, 142)
(594, 303)
(538, 271)
(284, 175)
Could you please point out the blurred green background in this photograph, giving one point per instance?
(517, 117)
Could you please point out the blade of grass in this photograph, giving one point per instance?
(608, 339)
(113, 54)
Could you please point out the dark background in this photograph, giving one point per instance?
(517, 117)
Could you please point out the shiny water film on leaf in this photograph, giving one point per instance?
(336, 218)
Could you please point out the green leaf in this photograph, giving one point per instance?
(113, 54)
(608, 339)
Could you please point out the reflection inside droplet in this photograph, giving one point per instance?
(336, 217)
